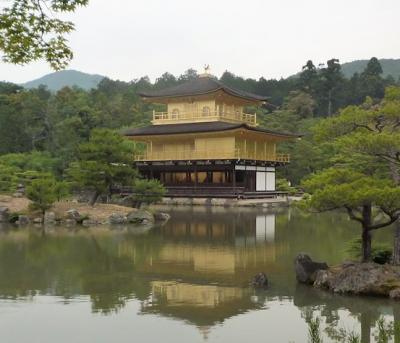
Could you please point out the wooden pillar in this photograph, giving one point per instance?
(234, 180)
(196, 176)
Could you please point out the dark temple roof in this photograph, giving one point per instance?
(173, 129)
(201, 86)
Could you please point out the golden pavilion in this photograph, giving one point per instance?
(206, 145)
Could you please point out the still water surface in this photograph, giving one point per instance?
(186, 281)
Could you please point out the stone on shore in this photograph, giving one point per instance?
(140, 217)
(361, 278)
(23, 220)
(117, 218)
(49, 217)
(73, 214)
(306, 269)
(89, 222)
(37, 220)
(4, 214)
(161, 217)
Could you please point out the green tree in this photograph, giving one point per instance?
(373, 203)
(147, 192)
(29, 31)
(103, 162)
(368, 137)
(42, 193)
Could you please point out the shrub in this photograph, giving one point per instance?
(147, 192)
(381, 253)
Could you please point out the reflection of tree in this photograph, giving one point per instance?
(195, 268)
(68, 264)
(366, 309)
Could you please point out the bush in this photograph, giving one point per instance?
(147, 192)
(284, 186)
(381, 253)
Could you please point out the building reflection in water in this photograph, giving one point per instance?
(196, 268)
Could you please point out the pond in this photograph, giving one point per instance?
(185, 281)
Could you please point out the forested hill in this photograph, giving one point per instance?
(46, 128)
(66, 78)
(389, 67)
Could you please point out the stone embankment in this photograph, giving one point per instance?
(72, 213)
(350, 277)
(229, 202)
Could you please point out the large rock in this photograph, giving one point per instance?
(306, 269)
(23, 220)
(117, 218)
(4, 214)
(37, 220)
(260, 281)
(140, 217)
(73, 214)
(361, 278)
(89, 222)
(161, 216)
(49, 217)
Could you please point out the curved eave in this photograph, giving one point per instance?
(250, 97)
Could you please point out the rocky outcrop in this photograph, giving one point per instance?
(37, 220)
(306, 269)
(73, 214)
(161, 217)
(140, 217)
(23, 220)
(260, 281)
(361, 278)
(50, 218)
(117, 218)
(90, 222)
(4, 214)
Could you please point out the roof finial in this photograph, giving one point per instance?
(206, 71)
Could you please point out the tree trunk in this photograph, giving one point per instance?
(366, 245)
(366, 234)
(94, 198)
(394, 170)
(396, 244)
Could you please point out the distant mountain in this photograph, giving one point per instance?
(389, 67)
(57, 80)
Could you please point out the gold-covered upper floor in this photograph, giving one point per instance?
(204, 115)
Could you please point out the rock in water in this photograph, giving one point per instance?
(117, 218)
(306, 269)
(161, 216)
(361, 278)
(260, 281)
(49, 217)
(140, 217)
(73, 214)
(4, 214)
(23, 220)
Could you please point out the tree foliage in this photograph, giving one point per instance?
(147, 191)
(29, 31)
(42, 193)
(104, 161)
(373, 203)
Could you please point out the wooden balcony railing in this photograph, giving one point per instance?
(192, 155)
(185, 117)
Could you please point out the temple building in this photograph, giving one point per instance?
(206, 145)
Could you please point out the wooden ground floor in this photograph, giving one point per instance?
(226, 179)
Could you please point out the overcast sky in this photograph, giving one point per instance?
(126, 39)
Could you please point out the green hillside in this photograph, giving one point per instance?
(60, 79)
(389, 66)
